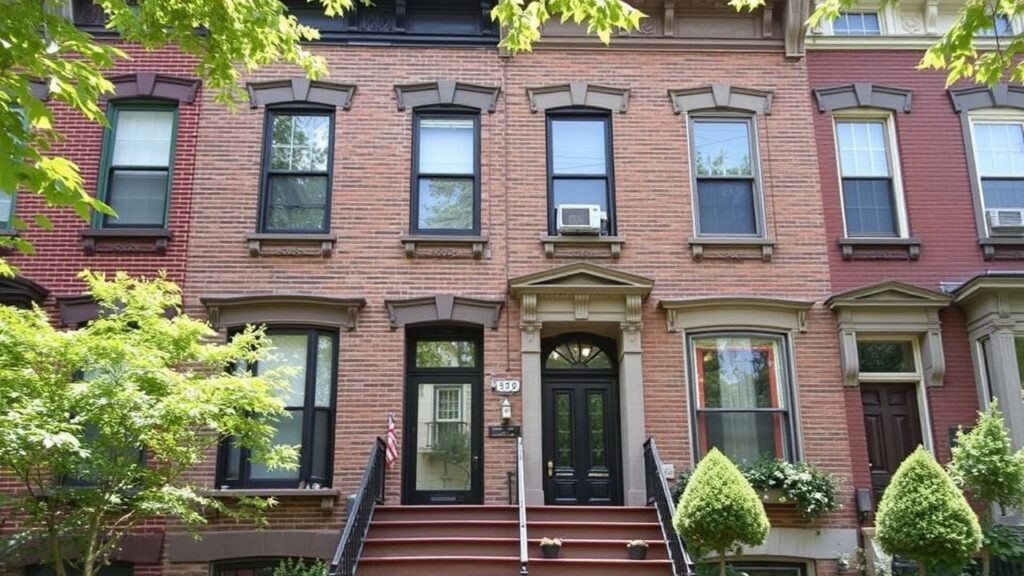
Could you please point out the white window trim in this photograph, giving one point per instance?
(760, 219)
(916, 378)
(988, 116)
(893, 157)
(437, 402)
(885, 16)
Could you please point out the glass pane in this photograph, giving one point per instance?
(6, 210)
(288, 355)
(999, 149)
(233, 459)
(321, 447)
(324, 370)
(581, 191)
(139, 197)
(289, 433)
(300, 143)
(886, 356)
(563, 430)
(595, 405)
(447, 146)
(857, 24)
(143, 138)
(744, 437)
(722, 148)
(578, 354)
(862, 149)
(445, 204)
(1004, 193)
(446, 354)
(726, 207)
(297, 203)
(578, 147)
(444, 447)
(869, 207)
(738, 372)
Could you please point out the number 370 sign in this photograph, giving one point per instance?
(505, 386)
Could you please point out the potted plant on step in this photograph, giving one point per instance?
(550, 547)
(637, 549)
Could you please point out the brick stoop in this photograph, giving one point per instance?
(484, 541)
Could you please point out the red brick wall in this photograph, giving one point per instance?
(59, 254)
(940, 211)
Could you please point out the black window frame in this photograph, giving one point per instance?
(107, 167)
(581, 115)
(446, 112)
(295, 109)
(309, 410)
(756, 186)
(789, 416)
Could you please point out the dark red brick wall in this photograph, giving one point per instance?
(59, 255)
(940, 212)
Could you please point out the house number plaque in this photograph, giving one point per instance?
(506, 386)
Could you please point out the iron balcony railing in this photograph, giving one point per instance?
(521, 496)
(659, 495)
(371, 493)
(447, 435)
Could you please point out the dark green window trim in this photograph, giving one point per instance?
(103, 184)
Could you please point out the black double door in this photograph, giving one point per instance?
(582, 461)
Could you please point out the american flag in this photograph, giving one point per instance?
(392, 451)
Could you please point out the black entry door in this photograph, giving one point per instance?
(442, 448)
(893, 430)
(581, 441)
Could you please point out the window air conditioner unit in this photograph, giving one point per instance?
(1006, 220)
(579, 219)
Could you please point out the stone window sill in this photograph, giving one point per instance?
(278, 244)
(327, 496)
(125, 240)
(1002, 248)
(880, 248)
(732, 249)
(583, 246)
(441, 246)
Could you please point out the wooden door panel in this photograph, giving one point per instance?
(892, 429)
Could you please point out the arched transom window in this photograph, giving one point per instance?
(578, 353)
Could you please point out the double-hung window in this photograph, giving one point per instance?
(6, 210)
(870, 187)
(310, 359)
(137, 164)
(857, 24)
(580, 166)
(446, 173)
(724, 157)
(999, 157)
(742, 395)
(298, 159)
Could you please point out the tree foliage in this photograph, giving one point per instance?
(101, 424)
(924, 517)
(985, 466)
(719, 511)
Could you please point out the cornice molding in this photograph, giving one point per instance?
(977, 97)
(863, 95)
(447, 92)
(721, 96)
(152, 85)
(578, 94)
(289, 90)
(229, 311)
(444, 308)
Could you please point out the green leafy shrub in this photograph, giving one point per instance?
(300, 567)
(925, 518)
(719, 511)
(814, 491)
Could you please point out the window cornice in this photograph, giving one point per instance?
(739, 312)
(447, 92)
(444, 308)
(152, 85)
(582, 94)
(300, 90)
(863, 95)
(721, 96)
(22, 292)
(228, 311)
(975, 97)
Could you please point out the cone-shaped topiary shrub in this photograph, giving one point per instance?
(924, 517)
(719, 511)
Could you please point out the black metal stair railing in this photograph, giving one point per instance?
(371, 493)
(659, 495)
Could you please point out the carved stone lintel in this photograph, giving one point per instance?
(313, 245)
(425, 246)
(732, 249)
(583, 246)
(125, 241)
(881, 249)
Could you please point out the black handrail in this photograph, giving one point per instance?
(371, 493)
(659, 495)
(524, 558)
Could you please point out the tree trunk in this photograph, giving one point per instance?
(921, 570)
(721, 563)
(986, 562)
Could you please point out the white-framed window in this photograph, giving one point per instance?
(857, 24)
(448, 404)
(998, 142)
(726, 175)
(869, 173)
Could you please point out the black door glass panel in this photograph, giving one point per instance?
(445, 354)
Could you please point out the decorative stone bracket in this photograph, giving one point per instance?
(732, 249)
(122, 240)
(264, 244)
(583, 246)
(440, 246)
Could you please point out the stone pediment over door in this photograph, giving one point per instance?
(889, 294)
(581, 278)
